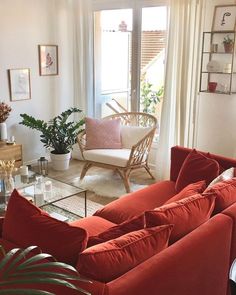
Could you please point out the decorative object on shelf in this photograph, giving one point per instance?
(212, 86)
(214, 47)
(43, 166)
(213, 66)
(228, 44)
(4, 114)
(227, 68)
(48, 60)
(224, 18)
(19, 83)
(57, 134)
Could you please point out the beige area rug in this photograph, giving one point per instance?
(106, 184)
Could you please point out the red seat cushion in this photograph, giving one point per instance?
(196, 167)
(107, 261)
(94, 225)
(26, 225)
(189, 190)
(225, 193)
(186, 215)
(114, 232)
(136, 203)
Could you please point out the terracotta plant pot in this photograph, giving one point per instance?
(228, 47)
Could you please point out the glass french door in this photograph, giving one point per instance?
(129, 55)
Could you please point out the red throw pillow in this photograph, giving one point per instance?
(114, 232)
(186, 215)
(189, 190)
(108, 261)
(102, 134)
(196, 167)
(225, 193)
(26, 225)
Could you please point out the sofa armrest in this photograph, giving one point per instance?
(196, 264)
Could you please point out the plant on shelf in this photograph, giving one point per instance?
(4, 111)
(22, 267)
(57, 134)
(228, 44)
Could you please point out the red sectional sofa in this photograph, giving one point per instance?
(194, 263)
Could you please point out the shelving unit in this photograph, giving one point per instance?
(225, 78)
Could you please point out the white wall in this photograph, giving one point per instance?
(216, 118)
(23, 25)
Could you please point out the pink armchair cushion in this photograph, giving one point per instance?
(102, 134)
(26, 225)
(225, 193)
(186, 215)
(196, 167)
(108, 261)
(189, 190)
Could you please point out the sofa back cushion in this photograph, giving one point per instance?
(26, 225)
(189, 190)
(102, 134)
(116, 231)
(196, 167)
(179, 154)
(224, 192)
(186, 215)
(108, 261)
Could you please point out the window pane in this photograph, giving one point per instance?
(153, 43)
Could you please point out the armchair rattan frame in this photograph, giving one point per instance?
(139, 152)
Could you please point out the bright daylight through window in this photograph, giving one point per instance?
(129, 59)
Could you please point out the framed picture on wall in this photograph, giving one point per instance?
(224, 18)
(48, 60)
(19, 84)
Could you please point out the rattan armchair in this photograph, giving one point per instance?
(128, 158)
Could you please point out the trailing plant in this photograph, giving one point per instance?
(57, 134)
(21, 267)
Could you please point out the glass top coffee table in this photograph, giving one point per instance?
(52, 198)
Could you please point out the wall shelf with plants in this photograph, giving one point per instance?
(218, 71)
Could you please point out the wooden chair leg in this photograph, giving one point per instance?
(148, 171)
(85, 169)
(125, 178)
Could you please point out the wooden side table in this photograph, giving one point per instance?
(11, 152)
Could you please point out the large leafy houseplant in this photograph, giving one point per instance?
(19, 268)
(57, 134)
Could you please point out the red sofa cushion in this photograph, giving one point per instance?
(189, 190)
(108, 261)
(114, 232)
(186, 215)
(225, 193)
(94, 225)
(196, 167)
(136, 203)
(26, 225)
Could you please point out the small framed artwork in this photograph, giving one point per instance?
(19, 84)
(224, 18)
(48, 60)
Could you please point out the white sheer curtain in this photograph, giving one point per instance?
(182, 71)
(82, 52)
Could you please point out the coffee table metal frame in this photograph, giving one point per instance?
(31, 181)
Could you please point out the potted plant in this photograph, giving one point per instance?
(58, 135)
(19, 268)
(228, 44)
